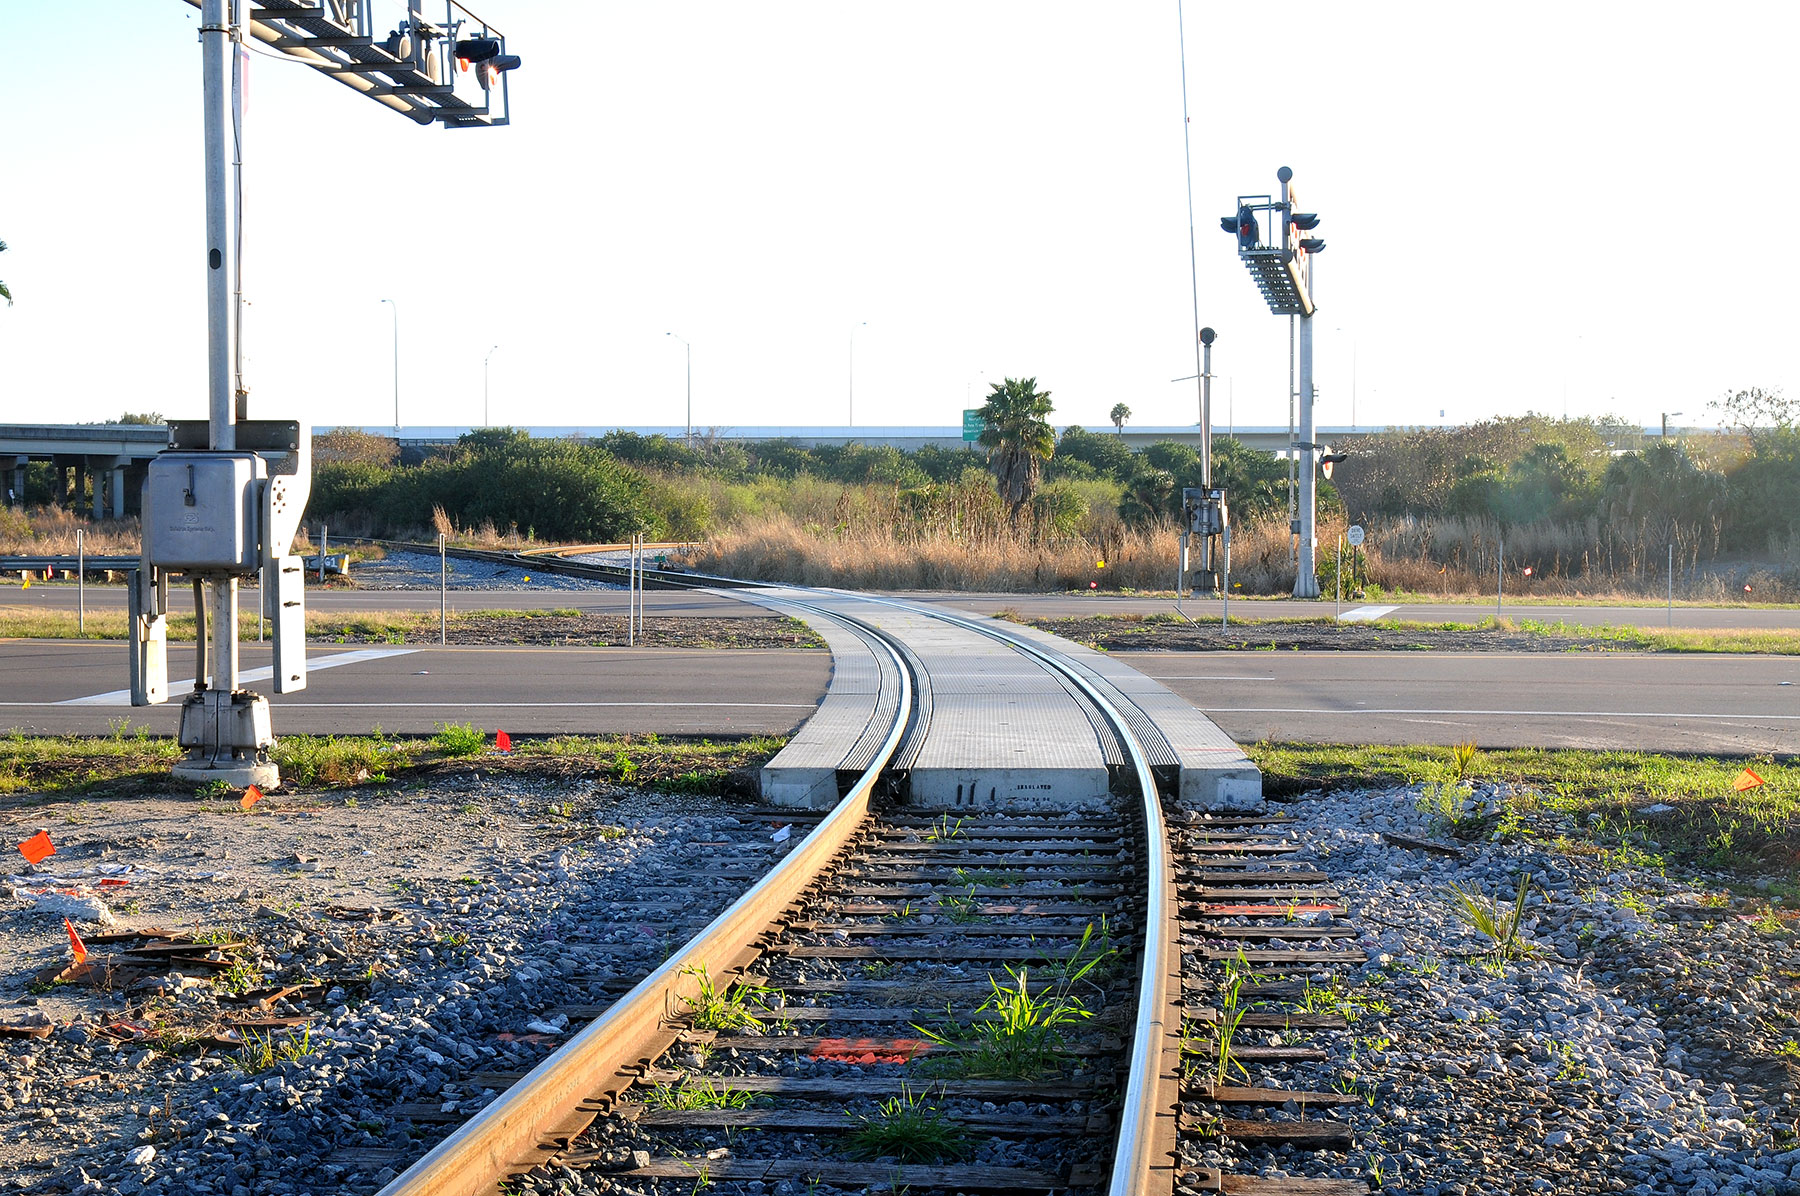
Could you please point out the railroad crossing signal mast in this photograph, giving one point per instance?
(1282, 268)
(1203, 510)
(224, 502)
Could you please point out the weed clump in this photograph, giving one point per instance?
(909, 1130)
(459, 739)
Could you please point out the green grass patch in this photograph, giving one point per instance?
(1761, 641)
(1588, 801)
(70, 765)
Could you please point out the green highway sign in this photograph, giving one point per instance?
(973, 424)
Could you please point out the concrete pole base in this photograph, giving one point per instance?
(227, 738)
(238, 775)
(1306, 586)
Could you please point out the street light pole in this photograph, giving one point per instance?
(690, 389)
(396, 309)
(1665, 422)
(484, 386)
(862, 324)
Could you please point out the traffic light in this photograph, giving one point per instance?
(1305, 221)
(1327, 459)
(1243, 226)
(484, 54)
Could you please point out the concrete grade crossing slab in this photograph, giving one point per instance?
(996, 729)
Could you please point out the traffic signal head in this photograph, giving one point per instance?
(483, 53)
(476, 49)
(1305, 221)
(1327, 459)
(1312, 245)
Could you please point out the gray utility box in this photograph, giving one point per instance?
(202, 513)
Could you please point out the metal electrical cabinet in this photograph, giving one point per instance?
(202, 512)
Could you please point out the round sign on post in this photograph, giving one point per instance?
(1354, 535)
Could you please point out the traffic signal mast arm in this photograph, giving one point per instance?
(1282, 270)
(411, 68)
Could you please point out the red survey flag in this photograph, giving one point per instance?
(75, 943)
(503, 741)
(37, 849)
(252, 795)
(1746, 780)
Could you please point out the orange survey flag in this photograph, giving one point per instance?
(252, 795)
(503, 741)
(37, 849)
(75, 943)
(1746, 780)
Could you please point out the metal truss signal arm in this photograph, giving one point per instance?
(330, 66)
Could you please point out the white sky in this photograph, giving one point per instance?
(1526, 205)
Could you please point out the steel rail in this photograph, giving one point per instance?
(1143, 1152)
(475, 1158)
(1143, 1155)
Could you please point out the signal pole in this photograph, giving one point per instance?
(1282, 270)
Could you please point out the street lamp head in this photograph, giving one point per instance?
(1208, 336)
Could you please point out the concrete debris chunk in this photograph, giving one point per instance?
(74, 906)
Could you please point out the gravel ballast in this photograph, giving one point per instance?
(509, 896)
(1637, 1046)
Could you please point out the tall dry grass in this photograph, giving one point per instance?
(780, 548)
(50, 531)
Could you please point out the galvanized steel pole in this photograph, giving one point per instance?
(1306, 579)
(396, 310)
(218, 62)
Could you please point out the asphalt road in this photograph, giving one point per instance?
(678, 602)
(65, 687)
(1663, 702)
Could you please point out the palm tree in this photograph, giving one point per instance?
(4, 293)
(1120, 413)
(1018, 438)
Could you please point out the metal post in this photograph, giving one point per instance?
(1225, 607)
(1339, 574)
(443, 593)
(1500, 577)
(863, 324)
(396, 311)
(690, 388)
(1206, 412)
(1293, 452)
(484, 390)
(202, 665)
(80, 583)
(218, 58)
(1671, 583)
(1204, 370)
(324, 547)
(1306, 580)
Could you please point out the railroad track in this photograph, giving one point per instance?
(882, 951)
(857, 987)
(1266, 946)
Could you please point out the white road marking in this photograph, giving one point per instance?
(411, 705)
(122, 697)
(1366, 614)
(1685, 714)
